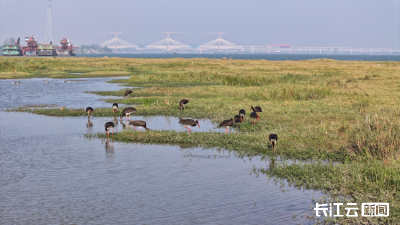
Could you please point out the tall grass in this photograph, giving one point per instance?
(146, 102)
(378, 136)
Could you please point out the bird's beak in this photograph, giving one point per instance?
(198, 124)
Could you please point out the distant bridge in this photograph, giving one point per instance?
(221, 45)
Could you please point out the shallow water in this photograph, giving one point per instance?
(70, 94)
(170, 123)
(51, 174)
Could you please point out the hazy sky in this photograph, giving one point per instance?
(343, 23)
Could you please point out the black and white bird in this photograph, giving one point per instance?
(238, 119)
(253, 116)
(109, 126)
(189, 122)
(139, 123)
(127, 112)
(182, 103)
(127, 93)
(273, 138)
(89, 110)
(227, 124)
(256, 109)
(242, 113)
(15, 82)
(115, 107)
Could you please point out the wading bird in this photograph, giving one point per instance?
(127, 93)
(189, 122)
(253, 116)
(65, 81)
(139, 123)
(238, 119)
(89, 110)
(16, 82)
(242, 113)
(256, 109)
(115, 107)
(46, 81)
(227, 124)
(182, 103)
(273, 138)
(109, 126)
(127, 112)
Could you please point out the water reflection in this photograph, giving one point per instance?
(89, 123)
(109, 147)
(115, 121)
(272, 163)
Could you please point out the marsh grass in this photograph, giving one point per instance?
(147, 102)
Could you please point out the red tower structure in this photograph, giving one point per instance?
(66, 48)
(31, 47)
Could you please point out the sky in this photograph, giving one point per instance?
(325, 23)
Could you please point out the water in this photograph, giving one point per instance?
(169, 123)
(273, 57)
(50, 174)
(69, 94)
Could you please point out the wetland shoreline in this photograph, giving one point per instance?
(321, 109)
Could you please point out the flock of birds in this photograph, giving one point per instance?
(126, 112)
(254, 115)
(44, 81)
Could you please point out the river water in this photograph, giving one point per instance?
(51, 174)
(272, 57)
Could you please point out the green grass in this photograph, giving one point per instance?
(342, 111)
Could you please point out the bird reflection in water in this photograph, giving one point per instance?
(89, 126)
(124, 125)
(115, 120)
(272, 163)
(109, 147)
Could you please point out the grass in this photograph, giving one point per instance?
(342, 111)
(26, 67)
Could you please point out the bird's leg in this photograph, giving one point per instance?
(112, 132)
(252, 121)
(228, 131)
(108, 134)
(257, 118)
(140, 128)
